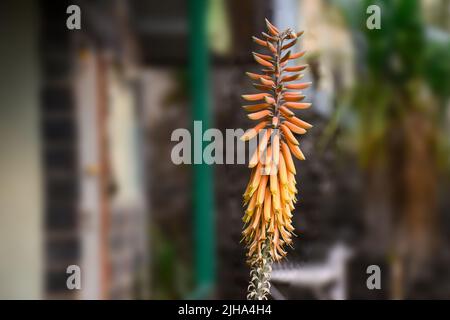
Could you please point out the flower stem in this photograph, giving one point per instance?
(259, 287)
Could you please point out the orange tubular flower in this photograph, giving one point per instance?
(271, 193)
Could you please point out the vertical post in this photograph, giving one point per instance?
(203, 189)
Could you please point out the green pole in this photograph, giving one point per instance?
(203, 187)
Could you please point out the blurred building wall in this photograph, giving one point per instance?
(20, 189)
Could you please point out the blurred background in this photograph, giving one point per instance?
(86, 118)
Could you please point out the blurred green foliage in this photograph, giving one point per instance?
(172, 277)
(395, 66)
